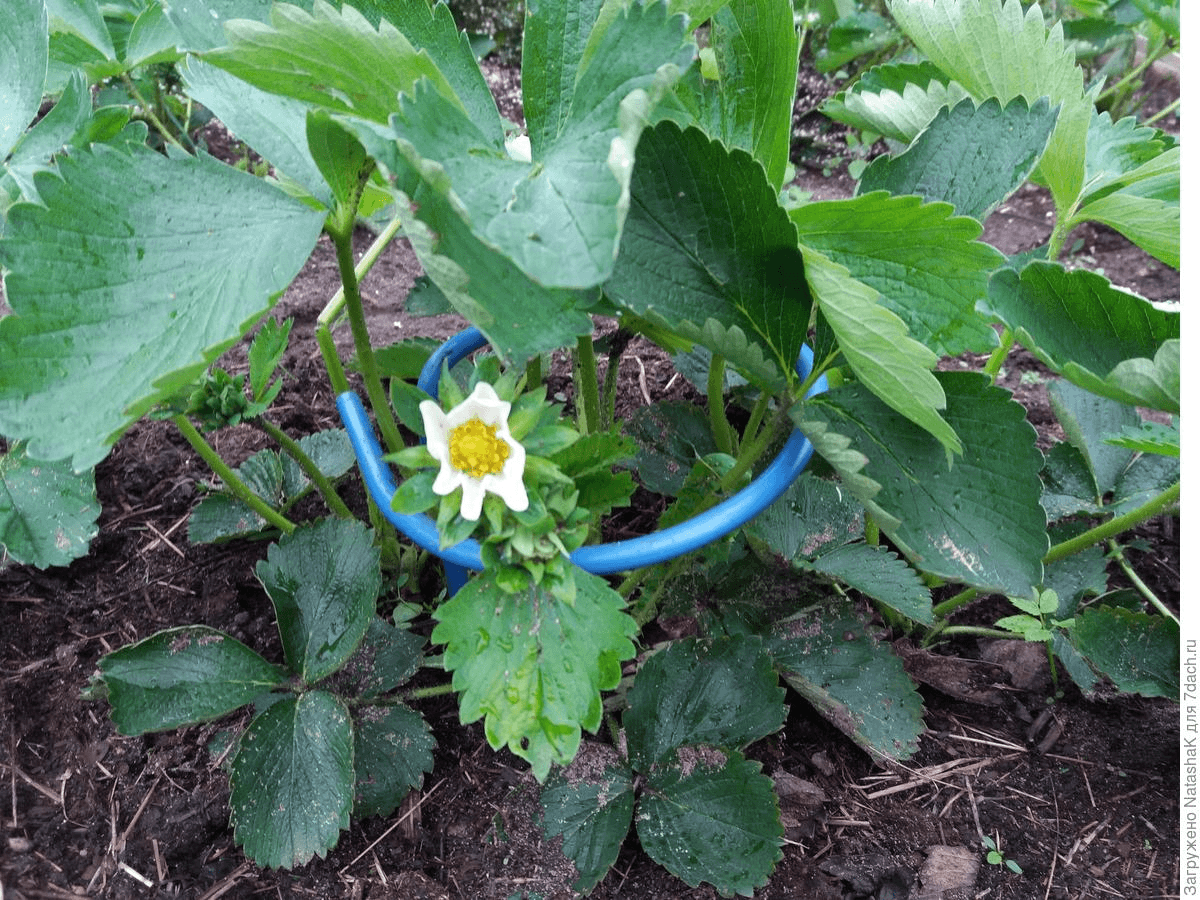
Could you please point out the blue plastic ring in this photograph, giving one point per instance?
(601, 559)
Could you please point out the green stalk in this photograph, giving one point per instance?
(722, 432)
(362, 340)
(608, 396)
(1141, 586)
(761, 405)
(434, 690)
(589, 390)
(236, 486)
(978, 631)
(1165, 111)
(333, 362)
(950, 604)
(751, 452)
(337, 302)
(148, 112)
(1000, 354)
(1114, 526)
(335, 503)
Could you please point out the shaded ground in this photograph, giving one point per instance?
(1083, 794)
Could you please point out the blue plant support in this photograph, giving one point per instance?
(602, 559)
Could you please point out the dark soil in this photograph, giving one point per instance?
(1082, 793)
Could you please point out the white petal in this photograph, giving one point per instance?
(472, 499)
(437, 430)
(448, 478)
(511, 491)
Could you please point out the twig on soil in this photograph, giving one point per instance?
(161, 536)
(219, 890)
(37, 786)
(412, 809)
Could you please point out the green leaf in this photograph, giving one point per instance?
(532, 666)
(978, 522)
(1144, 207)
(431, 28)
(837, 450)
(570, 202)
(387, 657)
(881, 575)
(24, 56)
(183, 676)
(1102, 338)
(895, 100)
(48, 512)
(706, 240)
(552, 49)
(1069, 485)
(876, 344)
(970, 157)
(925, 262)
(201, 23)
(341, 159)
(711, 815)
(61, 126)
(393, 748)
(273, 126)
(756, 51)
(84, 19)
(275, 477)
(590, 803)
(1149, 437)
(671, 437)
(139, 270)
(833, 659)
(1145, 479)
(266, 350)
(331, 59)
(1078, 575)
(1087, 421)
(292, 780)
(812, 517)
(854, 35)
(153, 39)
(323, 580)
(1137, 651)
(1115, 150)
(995, 48)
(722, 693)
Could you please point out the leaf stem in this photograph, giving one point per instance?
(149, 113)
(722, 432)
(589, 390)
(343, 244)
(433, 690)
(752, 451)
(1114, 526)
(1000, 354)
(337, 302)
(333, 362)
(233, 483)
(1142, 588)
(292, 447)
(761, 405)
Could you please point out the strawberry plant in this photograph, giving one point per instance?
(647, 185)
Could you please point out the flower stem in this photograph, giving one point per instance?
(233, 483)
(335, 503)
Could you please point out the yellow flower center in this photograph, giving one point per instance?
(475, 449)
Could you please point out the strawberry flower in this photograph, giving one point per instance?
(476, 451)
